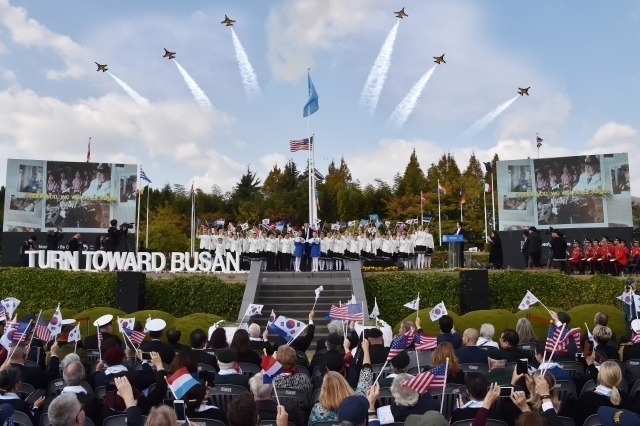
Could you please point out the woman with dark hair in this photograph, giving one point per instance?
(196, 405)
(218, 339)
(185, 358)
(10, 380)
(242, 345)
(495, 255)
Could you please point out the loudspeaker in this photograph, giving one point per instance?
(474, 290)
(131, 291)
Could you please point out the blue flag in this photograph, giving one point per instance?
(487, 166)
(312, 104)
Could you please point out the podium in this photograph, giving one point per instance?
(453, 243)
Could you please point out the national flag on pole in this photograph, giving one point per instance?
(434, 378)
(55, 325)
(190, 191)
(271, 319)
(348, 312)
(424, 342)
(318, 291)
(375, 313)
(125, 324)
(89, 150)
(317, 174)
(538, 141)
(10, 304)
(74, 334)
(422, 198)
(253, 309)
(399, 344)
(554, 334)
(5, 340)
(287, 328)
(414, 304)
(441, 188)
(143, 175)
(487, 187)
(244, 226)
(266, 222)
(626, 298)
(296, 145)
(181, 381)
(3, 314)
(438, 311)
(41, 331)
(487, 166)
(528, 300)
(312, 104)
(461, 197)
(18, 331)
(135, 336)
(270, 369)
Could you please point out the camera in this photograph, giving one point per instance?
(126, 226)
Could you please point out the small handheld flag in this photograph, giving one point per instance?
(375, 313)
(432, 379)
(55, 325)
(10, 304)
(438, 311)
(270, 369)
(181, 381)
(414, 304)
(287, 328)
(528, 300)
(253, 309)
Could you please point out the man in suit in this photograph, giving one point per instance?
(36, 376)
(155, 327)
(470, 352)
(447, 333)
(509, 340)
(198, 339)
(228, 374)
(460, 246)
(105, 327)
(73, 375)
(173, 340)
(259, 342)
(307, 235)
(377, 350)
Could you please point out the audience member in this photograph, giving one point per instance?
(448, 333)
(173, 340)
(486, 336)
(476, 385)
(525, 332)
(228, 373)
(406, 401)
(242, 345)
(259, 342)
(155, 327)
(198, 340)
(218, 339)
(440, 354)
(267, 407)
(509, 346)
(470, 352)
(10, 383)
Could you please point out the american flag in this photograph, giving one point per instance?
(554, 334)
(136, 337)
(301, 145)
(42, 331)
(635, 338)
(399, 344)
(349, 312)
(435, 378)
(423, 342)
(19, 332)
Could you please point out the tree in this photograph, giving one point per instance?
(413, 180)
(168, 230)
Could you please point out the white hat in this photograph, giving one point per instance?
(103, 320)
(635, 325)
(156, 324)
(68, 321)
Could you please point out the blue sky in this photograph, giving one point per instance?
(580, 59)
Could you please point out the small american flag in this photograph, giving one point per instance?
(42, 331)
(435, 378)
(301, 145)
(18, 333)
(136, 337)
(399, 344)
(635, 338)
(349, 312)
(554, 334)
(423, 342)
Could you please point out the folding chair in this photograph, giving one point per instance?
(566, 390)
(249, 369)
(221, 395)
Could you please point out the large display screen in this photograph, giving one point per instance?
(588, 191)
(43, 195)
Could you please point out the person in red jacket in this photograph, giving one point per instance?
(602, 255)
(590, 256)
(621, 254)
(575, 258)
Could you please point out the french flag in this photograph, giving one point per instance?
(270, 368)
(181, 381)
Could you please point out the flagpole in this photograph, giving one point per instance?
(554, 349)
(99, 341)
(193, 214)
(484, 200)
(444, 386)
(311, 160)
(146, 240)
(14, 347)
(493, 204)
(421, 213)
(439, 218)
(33, 334)
(138, 220)
(381, 370)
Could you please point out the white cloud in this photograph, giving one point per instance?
(613, 133)
(30, 33)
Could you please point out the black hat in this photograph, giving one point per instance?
(375, 333)
(334, 339)
(103, 168)
(334, 361)
(400, 361)
(227, 356)
(576, 242)
(591, 160)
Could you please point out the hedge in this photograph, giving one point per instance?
(201, 293)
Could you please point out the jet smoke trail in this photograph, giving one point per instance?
(249, 77)
(484, 121)
(134, 95)
(405, 108)
(197, 92)
(378, 74)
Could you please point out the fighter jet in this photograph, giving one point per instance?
(400, 14)
(102, 68)
(227, 21)
(169, 55)
(439, 59)
(523, 92)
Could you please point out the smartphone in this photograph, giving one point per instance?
(178, 407)
(600, 358)
(506, 390)
(588, 347)
(522, 366)
(35, 395)
(146, 356)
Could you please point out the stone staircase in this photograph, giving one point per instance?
(292, 294)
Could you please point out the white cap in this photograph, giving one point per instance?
(156, 324)
(68, 321)
(103, 320)
(635, 325)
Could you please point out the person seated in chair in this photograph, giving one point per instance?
(229, 373)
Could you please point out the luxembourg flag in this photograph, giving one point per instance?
(270, 368)
(181, 381)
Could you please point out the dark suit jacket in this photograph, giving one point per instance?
(91, 342)
(232, 379)
(250, 357)
(378, 354)
(469, 354)
(22, 406)
(258, 345)
(166, 352)
(37, 377)
(206, 358)
(454, 338)
(89, 403)
(301, 343)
